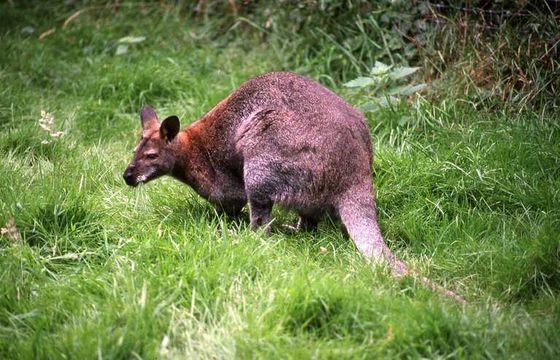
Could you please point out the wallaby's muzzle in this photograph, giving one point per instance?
(129, 177)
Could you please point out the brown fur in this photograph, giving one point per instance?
(280, 138)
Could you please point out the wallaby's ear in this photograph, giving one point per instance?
(170, 128)
(148, 118)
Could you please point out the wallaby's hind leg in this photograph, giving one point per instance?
(258, 190)
(357, 213)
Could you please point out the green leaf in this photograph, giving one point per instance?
(405, 120)
(131, 39)
(28, 30)
(380, 69)
(360, 82)
(121, 49)
(408, 89)
(402, 71)
(378, 104)
(387, 100)
(369, 107)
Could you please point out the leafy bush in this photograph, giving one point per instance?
(383, 85)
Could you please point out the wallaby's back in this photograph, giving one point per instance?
(317, 143)
(313, 145)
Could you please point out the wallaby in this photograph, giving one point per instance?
(280, 138)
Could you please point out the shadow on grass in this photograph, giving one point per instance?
(77, 225)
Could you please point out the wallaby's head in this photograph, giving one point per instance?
(153, 156)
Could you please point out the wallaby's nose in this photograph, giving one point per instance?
(129, 177)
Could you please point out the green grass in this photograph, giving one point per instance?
(469, 198)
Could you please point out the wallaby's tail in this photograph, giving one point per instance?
(359, 218)
(360, 221)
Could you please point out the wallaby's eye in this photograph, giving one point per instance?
(151, 156)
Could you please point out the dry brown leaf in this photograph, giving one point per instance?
(389, 334)
(10, 231)
(46, 33)
(57, 134)
(46, 121)
(71, 18)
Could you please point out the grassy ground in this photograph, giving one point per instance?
(469, 198)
